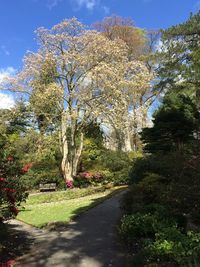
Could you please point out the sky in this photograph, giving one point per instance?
(20, 18)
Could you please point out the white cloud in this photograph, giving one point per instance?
(89, 4)
(6, 101)
(4, 50)
(106, 10)
(52, 3)
(6, 72)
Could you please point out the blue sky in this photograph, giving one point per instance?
(19, 19)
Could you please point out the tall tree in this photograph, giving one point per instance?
(179, 58)
(175, 123)
(136, 98)
(88, 66)
(123, 28)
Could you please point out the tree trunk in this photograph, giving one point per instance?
(71, 154)
(127, 138)
(65, 164)
(77, 156)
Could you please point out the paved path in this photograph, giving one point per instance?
(89, 241)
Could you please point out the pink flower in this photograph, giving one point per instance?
(69, 184)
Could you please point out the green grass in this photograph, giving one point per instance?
(48, 197)
(48, 207)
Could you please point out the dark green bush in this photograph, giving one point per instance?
(142, 225)
(43, 172)
(169, 166)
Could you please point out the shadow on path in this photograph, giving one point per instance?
(89, 241)
(14, 242)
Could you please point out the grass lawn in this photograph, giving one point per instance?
(41, 209)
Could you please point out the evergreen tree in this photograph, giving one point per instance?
(179, 58)
(175, 123)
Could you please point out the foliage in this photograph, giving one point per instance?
(174, 125)
(171, 244)
(166, 182)
(140, 225)
(130, 113)
(42, 173)
(167, 187)
(123, 28)
(76, 76)
(93, 132)
(113, 166)
(12, 191)
(179, 58)
(88, 178)
(161, 239)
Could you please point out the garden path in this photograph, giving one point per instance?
(88, 241)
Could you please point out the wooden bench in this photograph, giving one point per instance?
(47, 187)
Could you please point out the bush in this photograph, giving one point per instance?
(169, 166)
(142, 225)
(114, 166)
(132, 200)
(161, 239)
(172, 179)
(172, 245)
(42, 172)
(12, 190)
(85, 179)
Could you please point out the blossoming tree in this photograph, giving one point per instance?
(76, 75)
(136, 93)
(87, 66)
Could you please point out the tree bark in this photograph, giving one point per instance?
(65, 164)
(77, 156)
(71, 153)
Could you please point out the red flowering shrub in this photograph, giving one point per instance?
(27, 167)
(86, 175)
(88, 178)
(12, 192)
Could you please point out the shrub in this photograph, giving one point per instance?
(12, 190)
(169, 166)
(112, 165)
(85, 179)
(172, 244)
(42, 172)
(142, 225)
(152, 187)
